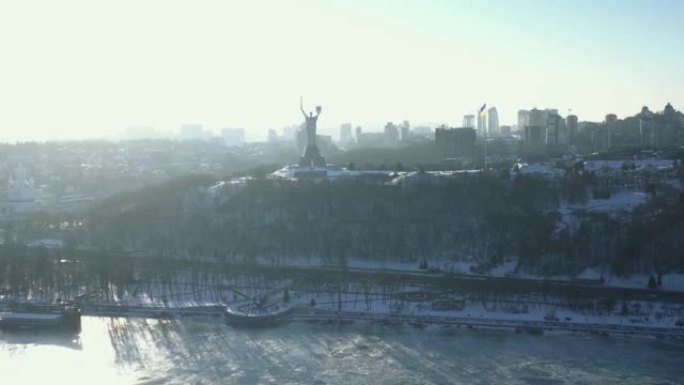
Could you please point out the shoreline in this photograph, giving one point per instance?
(530, 327)
(309, 315)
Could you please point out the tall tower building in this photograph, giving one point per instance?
(647, 135)
(469, 121)
(345, 133)
(556, 134)
(391, 134)
(523, 119)
(603, 140)
(493, 122)
(405, 130)
(534, 132)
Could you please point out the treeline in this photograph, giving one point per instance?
(483, 217)
(50, 275)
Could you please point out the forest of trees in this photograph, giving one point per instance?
(487, 218)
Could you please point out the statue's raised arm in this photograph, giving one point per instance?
(301, 106)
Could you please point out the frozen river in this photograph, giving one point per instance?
(192, 351)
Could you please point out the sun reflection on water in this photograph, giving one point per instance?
(55, 358)
(113, 351)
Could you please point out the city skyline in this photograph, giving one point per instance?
(80, 70)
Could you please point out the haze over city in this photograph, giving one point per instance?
(341, 192)
(82, 69)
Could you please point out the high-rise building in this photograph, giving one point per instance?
(346, 133)
(405, 130)
(556, 133)
(663, 129)
(469, 121)
(359, 133)
(233, 137)
(603, 137)
(391, 134)
(455, 142)
(670, 126)
(272, 135)
(647, 135)
(523, 119)
(534, 132)
(537, 117)
(493, 122)
(544, 131)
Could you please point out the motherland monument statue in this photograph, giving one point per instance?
(311, 155)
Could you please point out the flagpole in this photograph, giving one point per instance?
(485, 151)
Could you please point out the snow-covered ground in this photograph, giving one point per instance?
(448, 266)
(653, 164)
(524, 310)
(619, 201)
(544, 169)
(332, 172)
(411, 303)
(671, 281)
(549, 169)
(624, 201)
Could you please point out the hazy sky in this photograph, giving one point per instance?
(92, 68)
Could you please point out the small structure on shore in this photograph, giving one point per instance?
(257, 315)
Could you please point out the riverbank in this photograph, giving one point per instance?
(532, 327)
(312, 315)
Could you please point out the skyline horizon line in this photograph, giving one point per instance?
(257, 134)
